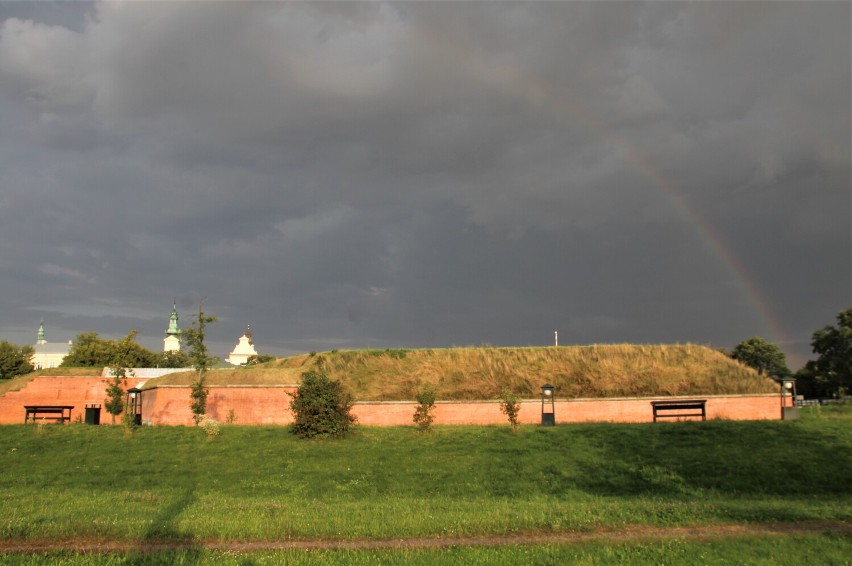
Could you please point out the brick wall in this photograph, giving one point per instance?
(76, 391)
(169, 405)
(270, 405)
(251, 405)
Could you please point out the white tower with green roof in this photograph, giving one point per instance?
(48, 354)
(171, 343)
(40, 336)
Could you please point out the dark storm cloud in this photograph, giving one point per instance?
(426, 174)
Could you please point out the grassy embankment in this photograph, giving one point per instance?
(78, 483)
(485, 373)
(18, 383)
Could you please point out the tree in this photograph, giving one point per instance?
(321, 406)
(114, 402)
(763, 356)
(194, 338)
(423, 416)
(90, 350)
(15, 360)
(831, 373)
(174, 359)
(511, 407)
(123, 352)
(137, 356)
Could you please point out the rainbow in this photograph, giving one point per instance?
(562, 105)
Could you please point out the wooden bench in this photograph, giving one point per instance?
(693, 408)
(59, 413)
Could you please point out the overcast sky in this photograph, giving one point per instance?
(426, 174)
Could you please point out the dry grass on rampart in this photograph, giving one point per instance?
(18, 383)
(579, 371)
(486, 373)
(15, 384)
(258, 375)
(68, 372)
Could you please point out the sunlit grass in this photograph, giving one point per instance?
(74, 483)
(610, 370)
(262, 483)
(792, 550)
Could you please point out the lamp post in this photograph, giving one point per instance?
(134, 404)
(788, 386)
(548, 412)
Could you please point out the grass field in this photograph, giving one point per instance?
(77, 484)
(796, 550)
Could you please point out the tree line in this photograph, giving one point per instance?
(829, 375)
(90, 350)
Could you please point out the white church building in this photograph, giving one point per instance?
(243, 350)
(48, 354)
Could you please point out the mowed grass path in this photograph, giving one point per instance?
(79, 483)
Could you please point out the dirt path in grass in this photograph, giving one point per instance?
(625, 535)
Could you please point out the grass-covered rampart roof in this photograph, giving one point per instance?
(621, 370)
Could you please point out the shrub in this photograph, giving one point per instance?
(423, 416)
(114, 402)
(321, 407)
(511, 407)
(128, 421)
(211, 428)
(258, 359)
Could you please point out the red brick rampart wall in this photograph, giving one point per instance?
(626, 410)
(255, 405)
(270, 405)
(251, 405)
(76, 391)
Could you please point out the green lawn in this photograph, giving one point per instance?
(793, 551)
(261, 483)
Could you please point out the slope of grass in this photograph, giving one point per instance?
(18, 383)
(69, 372)
(261, 483)
(485, 373)
(258, 375)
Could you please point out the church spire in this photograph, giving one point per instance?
(171, 343)
(173, 329)
(40, 338)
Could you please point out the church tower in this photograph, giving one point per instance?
(243, 350)
(171, 343)
(48, 354)
(40, 337)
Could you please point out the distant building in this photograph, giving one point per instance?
(171, 343)
(243, 350)
(48, 354)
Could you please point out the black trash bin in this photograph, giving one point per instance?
(93, 414)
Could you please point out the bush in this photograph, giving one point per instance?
(511, 407)
(258, 359)
(211, 428)
(321, 407)
(423, 416)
